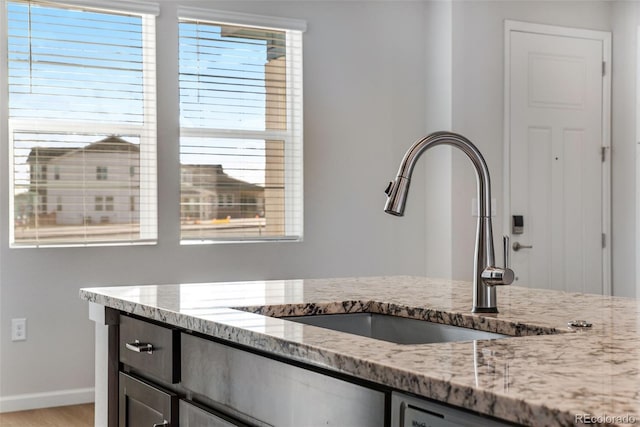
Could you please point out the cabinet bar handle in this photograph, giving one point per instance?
(164, 423)
(140, 347)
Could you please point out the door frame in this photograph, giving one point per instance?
(637, 164)
(605, 37)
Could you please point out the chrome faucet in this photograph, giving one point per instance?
(485, 274)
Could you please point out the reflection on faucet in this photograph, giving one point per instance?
(491, 365)
(486, 274)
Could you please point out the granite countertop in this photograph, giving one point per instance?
(543, 380)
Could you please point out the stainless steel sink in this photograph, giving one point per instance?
(399, 330)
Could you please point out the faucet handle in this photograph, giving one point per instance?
(506, 250)
(494, 276)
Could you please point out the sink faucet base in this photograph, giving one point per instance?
(485, 310)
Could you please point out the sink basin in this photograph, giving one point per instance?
(399, 330)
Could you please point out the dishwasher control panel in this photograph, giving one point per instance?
(412, 411)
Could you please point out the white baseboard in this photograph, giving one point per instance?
(22, 402)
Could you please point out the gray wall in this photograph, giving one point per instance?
(378, 75)
(478, 112)
(364, 103)
(625, 22)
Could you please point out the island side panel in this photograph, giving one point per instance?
(106, 365)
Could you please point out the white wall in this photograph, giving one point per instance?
(478, 112)
(438, 162)
(625, 22)
(364, 104)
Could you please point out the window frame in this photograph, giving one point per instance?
(149, 231)
(292, 136)
(102, 173)
(146, 132)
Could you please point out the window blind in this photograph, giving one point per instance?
(82, 125)
(240, 131)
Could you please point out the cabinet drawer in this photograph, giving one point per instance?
(143, 405)
(192, 415)
(149, 348)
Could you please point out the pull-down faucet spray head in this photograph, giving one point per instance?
(397, 196)
(486, 274)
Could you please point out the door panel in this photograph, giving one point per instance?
(555, 110)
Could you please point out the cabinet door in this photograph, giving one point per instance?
(143, 405)
(192, 415)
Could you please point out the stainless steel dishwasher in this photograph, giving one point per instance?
(411, 411)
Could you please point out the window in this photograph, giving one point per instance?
(101, 173)
(240, 126)
(81, 101)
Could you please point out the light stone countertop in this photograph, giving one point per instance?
(541, 380)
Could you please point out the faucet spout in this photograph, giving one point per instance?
(486, 274)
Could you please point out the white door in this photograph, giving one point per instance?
(556, 104)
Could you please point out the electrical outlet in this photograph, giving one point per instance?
(18, 329)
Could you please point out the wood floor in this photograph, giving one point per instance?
(63, 416)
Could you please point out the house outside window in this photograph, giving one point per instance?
(240, 126)
(81, 85)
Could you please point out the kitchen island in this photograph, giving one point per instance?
(546, 374)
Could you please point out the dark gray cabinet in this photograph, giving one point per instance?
(260, 390)
(145, 405)
(194, 415)
(171, 377)
(150, 348)
(149, 358)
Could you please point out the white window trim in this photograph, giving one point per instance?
(237, 18)
(294, 197)
(128, 6)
